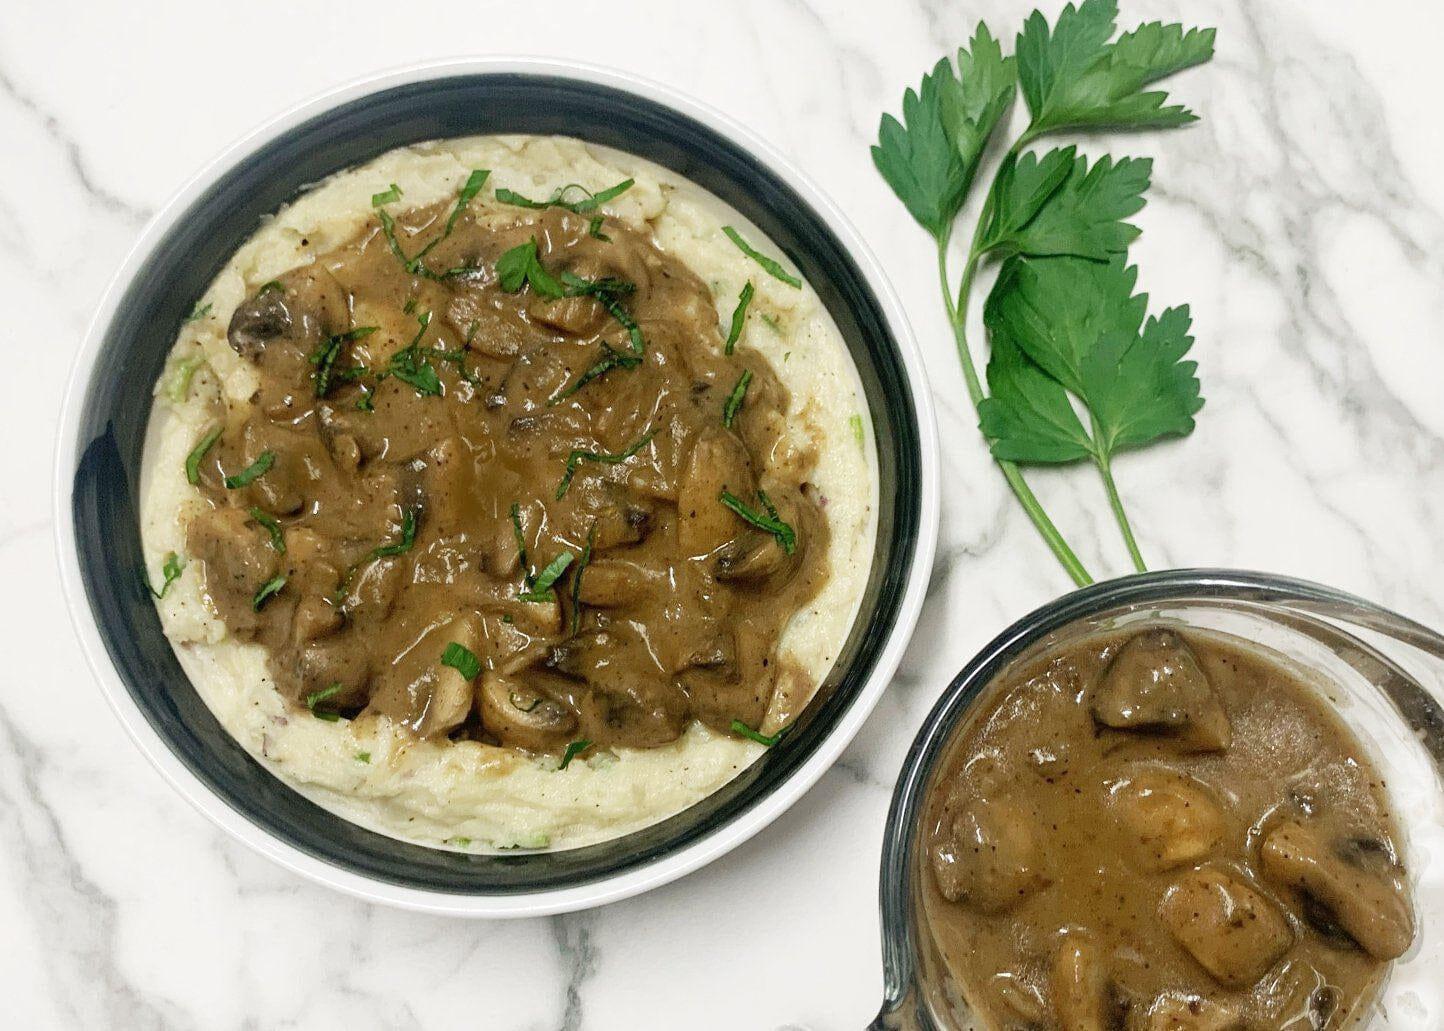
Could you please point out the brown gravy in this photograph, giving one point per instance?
(437, 442)
(1162, 830)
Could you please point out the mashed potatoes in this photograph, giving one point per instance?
(467, 794)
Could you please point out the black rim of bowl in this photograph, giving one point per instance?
(901, 937)
(117, 401)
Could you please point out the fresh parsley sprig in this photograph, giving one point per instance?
(1064, 324)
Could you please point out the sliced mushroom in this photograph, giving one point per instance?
(718, 462)
(1079, 986)
(1232, 930)
(633, 712)
(257, 321)
(419, 691)
(1367, 903)
(527, 710)
(236, 559)
(751, 559)
(990, 858)
(1154, 685)
(1169, 818)
(1191, 1013)
(614, 582)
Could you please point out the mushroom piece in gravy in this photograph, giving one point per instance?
(1162, 830)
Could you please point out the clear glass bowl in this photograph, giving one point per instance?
(1389, 678)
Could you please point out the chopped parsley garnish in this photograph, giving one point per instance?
(594, 229)
(733, 403)
(193, 460)
(578, 456)
(461, 658)
(252, 472)
(541, 590)
(739, 316)
(407, 539)
(772, 322)
(326, 353)
(574, 749)
(171, 570)
(268, 590)
(390, 196)
(589, 202)
(767, 520)
(771, 267)
(610, 359)
(269, 285)
(315, 698)
(586, 560)
(854, 422)
(199, 313)
(181, 375)
(410, 366)
(363, 757)
(609, 292)
(368, 399)
(742, 729)
(416, 264)
(521, 266)
(278, 540)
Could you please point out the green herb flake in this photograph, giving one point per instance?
(278, 540)
(854, 422)
(771, 267)
(578, 456)
(402, 545)
(521, 266)
(199, 313)
(574, 749)
(520, 541)
(268, 286)
(410, 366)
(589, 202)
(739, 317)
(363, 757)
(178, 387)
(771, 321)
(326, 353)
(733, 404)
(252, 472)
(586, 560)
(193, 460)
(462, 659)
(594, 229)
(767, 520)
(459, 842)
(171, 569)
(541, 590)
(390, 196)
(315, 698)
(743, 730)
(610, 359)
(268, 590)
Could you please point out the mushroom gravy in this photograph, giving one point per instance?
(586, 494)
(1162, 830)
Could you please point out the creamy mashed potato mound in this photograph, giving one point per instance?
(466, 794)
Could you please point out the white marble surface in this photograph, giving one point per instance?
(1302, 220)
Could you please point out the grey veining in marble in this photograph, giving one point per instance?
(1301, 220)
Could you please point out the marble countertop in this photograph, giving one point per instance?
(1303, 220)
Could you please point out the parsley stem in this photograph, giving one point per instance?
(1105, 469)
(957, 316)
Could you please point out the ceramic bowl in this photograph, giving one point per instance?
(108, 404)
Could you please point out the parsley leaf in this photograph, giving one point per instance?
(574, 749)
(1072, 77)
(585, 561)
(193, 460)
(589, 201)
(768, 520)
(733, 404)
(252, 472)
(743, 730)
(918, 159)
(404, 543)
(579, 455)
(178, 384)
(462, 659)
(278, 540)
(410, 366)
(171, 570)
(315, 698)
(199, 312)
(520, 541)
(326, 353)
(267, 591)
(769, 265)
(739, 317)
(1058, 205)
(610, 359)
(1128, 374)
(521, 266)
(541, 588)
(416, 264)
